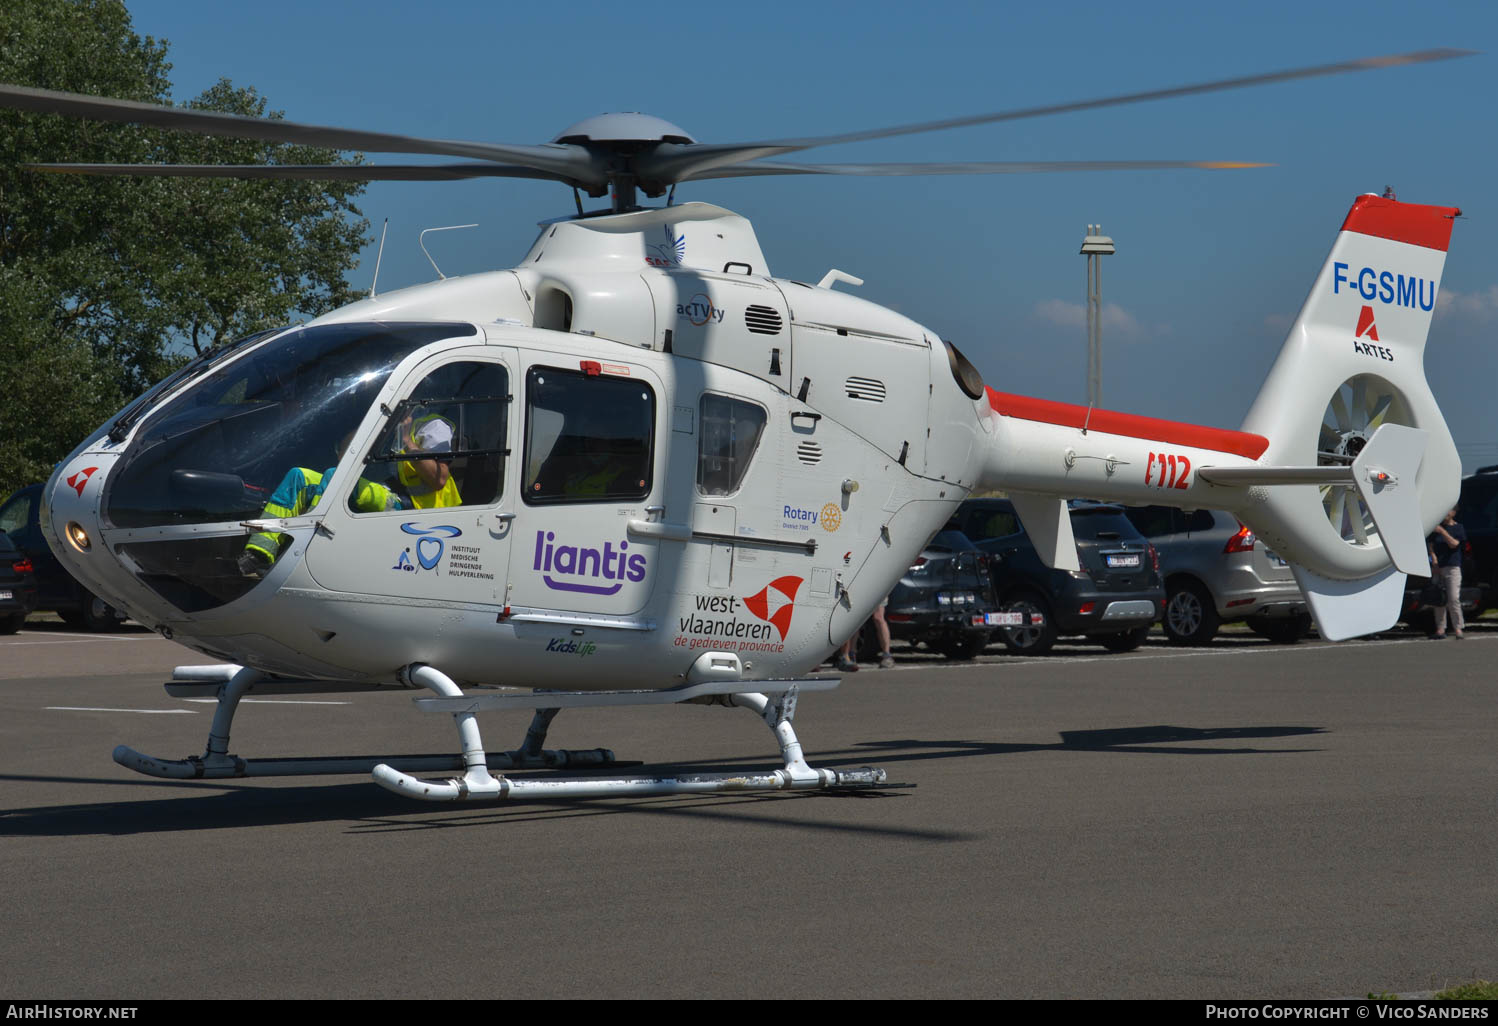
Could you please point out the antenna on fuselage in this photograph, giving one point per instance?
(421, 241)
(378, 254)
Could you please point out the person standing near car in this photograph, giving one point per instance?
(1445, 546)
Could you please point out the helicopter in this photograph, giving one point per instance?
(639, 469)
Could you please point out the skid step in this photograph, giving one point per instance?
(601, 699)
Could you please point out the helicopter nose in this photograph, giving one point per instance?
(72, 523)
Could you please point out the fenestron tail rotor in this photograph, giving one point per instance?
(622, 153)
(1359, 407)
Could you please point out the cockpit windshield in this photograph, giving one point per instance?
(216, 452)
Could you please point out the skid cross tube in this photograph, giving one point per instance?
(232, 683)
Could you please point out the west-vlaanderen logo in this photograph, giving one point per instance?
(429, 546)
(775, 603)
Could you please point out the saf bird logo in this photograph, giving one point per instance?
(1368, 330)
(775, 603)
(669, 253)
(78, 480)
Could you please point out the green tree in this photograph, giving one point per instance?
(106, 284)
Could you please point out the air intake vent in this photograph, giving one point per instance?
(868, 389)
(762, 320)
(809, 453)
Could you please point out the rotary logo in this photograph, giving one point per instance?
(775, 603)
(832, 517)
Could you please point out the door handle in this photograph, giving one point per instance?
(499, 525)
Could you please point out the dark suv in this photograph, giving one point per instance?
(17, 586)
(1477, 511)
(1114, 598)
(945, 600)
(56, 588)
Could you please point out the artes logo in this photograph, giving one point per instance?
(574, 568)
(78, 480)
(1365, 338)
(775, 603)
(429, 546)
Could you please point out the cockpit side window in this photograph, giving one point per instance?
(443, 445)
(729, 433)
(588, 437)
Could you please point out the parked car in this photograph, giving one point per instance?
(1477, 511)
(1114, 598)
(945, 600)
(1216, 571)
(17, 586)
(57, 590)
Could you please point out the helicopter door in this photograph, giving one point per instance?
(588, 470)
(422, 513)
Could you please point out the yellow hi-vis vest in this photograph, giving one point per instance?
(423, 496)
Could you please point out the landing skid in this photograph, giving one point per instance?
(773, 701)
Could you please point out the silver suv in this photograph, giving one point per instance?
(1215, 570)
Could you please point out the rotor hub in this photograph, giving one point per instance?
(623, 127)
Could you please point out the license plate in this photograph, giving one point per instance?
(1126, 560)
(4, 595)
(1009, 619)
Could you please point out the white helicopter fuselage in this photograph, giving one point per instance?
(868, 444)
(788, 449)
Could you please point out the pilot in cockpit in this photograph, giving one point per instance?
(298, 493)
(423, 484)
(429, 482)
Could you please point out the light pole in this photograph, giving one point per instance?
(1095, 246)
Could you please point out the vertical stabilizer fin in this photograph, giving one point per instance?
(1384, 473)
(1048, 524)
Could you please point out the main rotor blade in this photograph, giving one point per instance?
(564, 159)
(326, 172)
(999, 167)
(675, 162)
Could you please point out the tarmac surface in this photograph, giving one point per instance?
(1240, 821)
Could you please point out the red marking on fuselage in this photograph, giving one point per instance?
(1239, 443)
(79, 480)
(1365, 324)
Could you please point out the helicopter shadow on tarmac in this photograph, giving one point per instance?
(213, 806)
(369, 809)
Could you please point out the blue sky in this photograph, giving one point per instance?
(1210, 268)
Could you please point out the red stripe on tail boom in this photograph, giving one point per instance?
(1402, 222)
(1239, 443)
